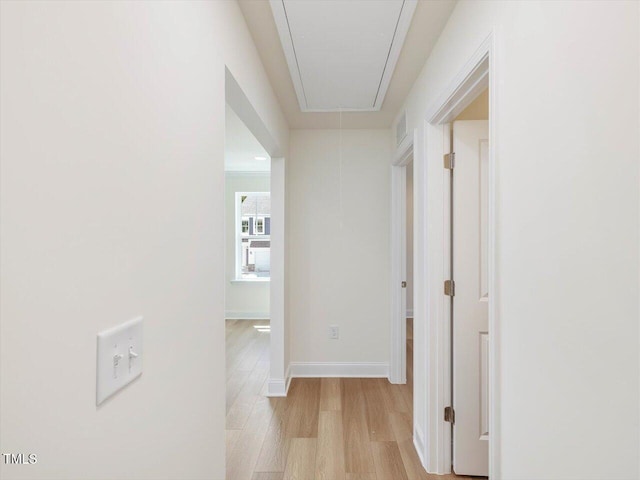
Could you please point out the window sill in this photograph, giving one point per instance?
(251, 280)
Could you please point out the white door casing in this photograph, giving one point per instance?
(470, 306)
(478, 72)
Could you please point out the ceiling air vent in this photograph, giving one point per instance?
(401, 128)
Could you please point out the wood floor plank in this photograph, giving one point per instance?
(388, 461)
(301, 459)
(330, 394)
(392, 396)
(377, 415)
(230, 331)
(245, 344)
(245, 400)
(302, 416)
(401, 423)
(403, 431)
(407, 393)
(234, 385)
(230, 439)
(411, 461)
(244, 455)
(357, 446)
(325, 429)
(268, 476)
(275, 448)
(249, 357)
(254, 371)
(330, 451)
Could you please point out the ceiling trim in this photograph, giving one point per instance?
(282, 23)
(404, 22)
(402, 27)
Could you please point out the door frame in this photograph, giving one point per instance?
(398, 349)
(478, 73)
(278, 382)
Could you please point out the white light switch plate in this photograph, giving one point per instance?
(119, 358)
(334, 332)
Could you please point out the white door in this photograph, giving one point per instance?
(470, 304)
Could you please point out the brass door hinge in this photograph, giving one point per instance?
(449, 415)
(449, 288)
(449, 160)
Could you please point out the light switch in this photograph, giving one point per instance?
(334, 332)
(119, 358)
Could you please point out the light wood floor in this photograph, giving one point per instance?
(325, 429)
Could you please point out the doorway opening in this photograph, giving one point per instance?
(451, 410)
(247, 223)
(408, 285)
(435, 336)
(248, 270)
(402, 258)
(255, 259)
(254, 273)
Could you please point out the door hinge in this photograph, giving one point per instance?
(449, 160)
(404, 284)
(449, 415)
(449, 288)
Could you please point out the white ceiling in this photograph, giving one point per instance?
(241, 147)
(341, 54)
(334, 30)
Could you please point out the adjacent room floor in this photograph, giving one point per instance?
(326, 428)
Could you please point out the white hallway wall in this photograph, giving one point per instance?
(112, 158)
(338, 243)
(567, 172)
(242, 299)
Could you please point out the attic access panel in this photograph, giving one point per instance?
(341, 54)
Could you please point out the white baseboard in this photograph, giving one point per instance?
(335, 369)
(409, 313)
(279, 387)
(246, 315)
(418, 443)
